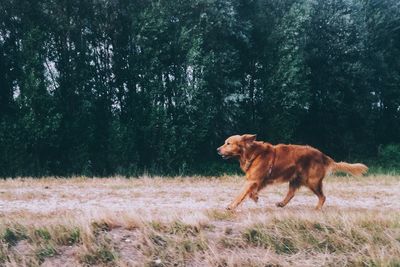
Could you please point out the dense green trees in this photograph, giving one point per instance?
(100, 87)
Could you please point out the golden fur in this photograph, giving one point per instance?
(265, 164)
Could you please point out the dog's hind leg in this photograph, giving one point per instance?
(248, 188)
(317, 189)
(293, 186)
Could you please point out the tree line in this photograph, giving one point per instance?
(103, 87)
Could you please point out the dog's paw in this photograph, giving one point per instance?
(254, 196)
(280, 204)
(230, 208)
(255, 199)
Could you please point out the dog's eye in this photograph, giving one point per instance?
(228, 144)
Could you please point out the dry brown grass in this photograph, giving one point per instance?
(154, 221)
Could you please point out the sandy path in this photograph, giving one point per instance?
(181, 196)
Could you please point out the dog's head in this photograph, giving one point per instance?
(235, 145)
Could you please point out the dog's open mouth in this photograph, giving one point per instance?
(225, 156)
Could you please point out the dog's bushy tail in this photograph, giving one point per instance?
(356, 169)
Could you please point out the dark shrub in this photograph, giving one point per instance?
(389, 156)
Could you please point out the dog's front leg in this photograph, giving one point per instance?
(248, 188)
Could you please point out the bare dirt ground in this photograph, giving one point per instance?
(149, 196)
(195, 201)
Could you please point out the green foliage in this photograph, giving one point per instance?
(259, 237)
(126, 87)
(286, 236)
(12, 236)
(389, 156)
(45, 251)
(101, 255)
(68, 237)
(74, 236)
(43, 234)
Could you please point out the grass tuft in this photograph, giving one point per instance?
(221, 215)
(99, 227)
(99, 254)
(340, 235)
(12, 236)
(67, 236)
(258, 236)
(45, 251)
(173, 243)
(42, 233)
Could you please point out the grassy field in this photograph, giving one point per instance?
(182, 222)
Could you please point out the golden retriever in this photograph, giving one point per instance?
(266, 164)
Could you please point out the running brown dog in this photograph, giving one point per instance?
(266, 164)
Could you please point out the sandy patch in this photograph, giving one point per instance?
(171, 197)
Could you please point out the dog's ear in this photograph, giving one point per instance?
(249, 137)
